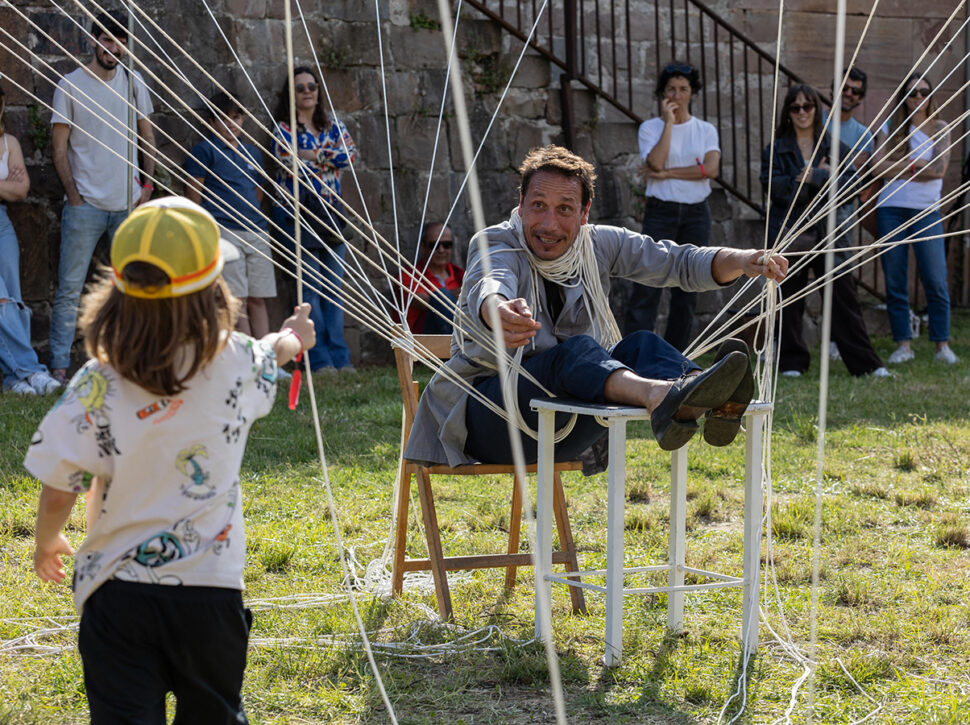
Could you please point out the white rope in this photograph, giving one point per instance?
(542, 602)
(760, 383)
(823, 386)
(412, 289)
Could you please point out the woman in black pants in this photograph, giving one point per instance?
(680, 154)
(795, 188)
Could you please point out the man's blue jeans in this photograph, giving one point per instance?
(18, 360)
(576, 368)
(81, 228)
(931, 265)
(328, 318)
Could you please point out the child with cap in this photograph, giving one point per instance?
(158, 419)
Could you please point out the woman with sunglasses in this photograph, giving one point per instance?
(435, 284)
(912, 154)
(324, 148)
(681, 155)
(798, 171)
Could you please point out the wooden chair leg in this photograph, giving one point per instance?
(515, 528)
(566, 542)
(401, 527)
(433, 536)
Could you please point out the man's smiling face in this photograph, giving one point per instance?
(552, 213)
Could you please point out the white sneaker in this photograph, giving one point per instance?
(881, 373)
(946, 355)
(901, 355)
(21, 387)
(43, 383)
(792, 373)
(834, 352)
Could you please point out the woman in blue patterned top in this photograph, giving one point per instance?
(324, 148)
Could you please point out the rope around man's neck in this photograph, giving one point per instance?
(577, 266)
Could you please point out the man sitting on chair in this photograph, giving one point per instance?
(549, 287)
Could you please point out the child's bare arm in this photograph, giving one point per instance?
(295, 336)
(53, 510)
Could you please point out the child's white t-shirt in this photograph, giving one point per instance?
(171, 512)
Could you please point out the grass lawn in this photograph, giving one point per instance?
(894, 596)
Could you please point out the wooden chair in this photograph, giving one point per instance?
(437, 563)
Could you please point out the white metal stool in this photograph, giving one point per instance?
(615, 419)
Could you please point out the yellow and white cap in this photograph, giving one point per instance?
(177, 236)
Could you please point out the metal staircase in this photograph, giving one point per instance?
(615, 48)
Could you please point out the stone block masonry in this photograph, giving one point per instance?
(344, 37)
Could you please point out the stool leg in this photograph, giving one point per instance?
(433, 536)
(401, 528)
(544, 515)
(615, 506)
(567, 544)
(678, 539)
(753, 510)
(515, 527)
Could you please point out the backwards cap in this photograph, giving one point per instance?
(177, 236)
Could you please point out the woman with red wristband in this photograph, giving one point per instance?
(680, 154)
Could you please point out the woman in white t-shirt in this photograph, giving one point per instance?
(681, 155)
(912, 153)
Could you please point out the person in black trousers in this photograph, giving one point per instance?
(796, 187)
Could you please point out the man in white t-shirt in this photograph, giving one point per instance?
(90, 152)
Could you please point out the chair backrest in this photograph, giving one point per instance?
(437, 345)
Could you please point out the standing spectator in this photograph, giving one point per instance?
(912, 156)
(226, 182)
(852, 133)
(90, 147)
(855, 136)
(795, 190)
(324, 148)
(681, 155)
(436, 283)
(21, 372)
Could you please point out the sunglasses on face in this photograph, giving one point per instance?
(799, 107)
(921, 92)
(679, 68)
(857, 92)
(301, 87)
(446, 245)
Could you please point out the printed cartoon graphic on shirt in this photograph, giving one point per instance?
(91, 389)
(198, 486)
(169, 405)
(222, 538)
(264, 366)
(232, 431)
(86, 566)
(79, 481)
(140, 564)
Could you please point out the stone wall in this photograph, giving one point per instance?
(345, 40)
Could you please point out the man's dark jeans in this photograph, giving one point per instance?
(576, 368)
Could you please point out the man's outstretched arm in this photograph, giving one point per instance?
(729, 264)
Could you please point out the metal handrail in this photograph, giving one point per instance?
(588, 39)
(581, 38)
